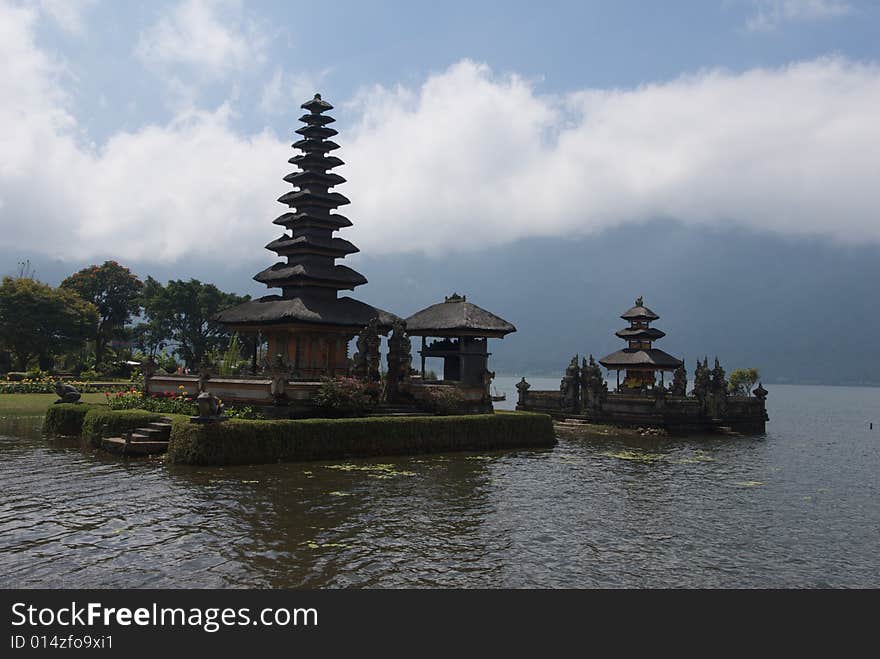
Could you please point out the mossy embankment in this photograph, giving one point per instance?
(239, 441)
(91, 422)
(68, 418)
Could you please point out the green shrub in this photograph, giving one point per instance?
(347, 397)
(44, 386)
(168, 403)
(88, 376)
(100, 422)
(254, 442)
(171, 404)
(66, 418)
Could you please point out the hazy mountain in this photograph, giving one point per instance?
(797, 309)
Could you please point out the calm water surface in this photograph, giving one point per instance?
(797, 507)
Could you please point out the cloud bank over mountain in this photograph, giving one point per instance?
(467, 157)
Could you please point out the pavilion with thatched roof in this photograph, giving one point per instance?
(461, 331)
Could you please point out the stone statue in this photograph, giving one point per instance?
(359, 359)
(204, 376)
(679, 381)
(717, 401)
(399, 361)
(486, 378)
(761, 395)
(366, 360)
(570, 384)
(701, 380)
(67, 393)
(640, 301)
(522, 388)
(210, 408)
(280, 371)
(148, 370)
(373, 344)
(719, 383)
(760, 392)
(594, 389)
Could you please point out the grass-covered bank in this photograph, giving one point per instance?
(37, 404)
(239, 441)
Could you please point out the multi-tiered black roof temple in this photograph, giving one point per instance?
(308, 323)
(640, 359)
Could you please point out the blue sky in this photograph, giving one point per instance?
(562, 46)
(503, 119)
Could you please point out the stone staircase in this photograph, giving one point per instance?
(148, 440)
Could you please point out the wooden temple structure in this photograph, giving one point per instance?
(640, 360)
(461, 331)
(309, 326)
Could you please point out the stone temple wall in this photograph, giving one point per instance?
(675, 413)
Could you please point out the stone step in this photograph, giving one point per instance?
(118, 445)
(155, 433)
(160, 425)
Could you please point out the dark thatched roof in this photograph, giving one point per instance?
(640, 333)
(344, 311)
(457, 316)
(639, 312)
(289, 274)
(630, 357)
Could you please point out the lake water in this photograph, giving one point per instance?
(799, 506)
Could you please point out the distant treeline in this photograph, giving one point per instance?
(104, 315)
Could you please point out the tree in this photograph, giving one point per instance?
(186, 310)
(39, 321)
(742, 380)
(115, 292)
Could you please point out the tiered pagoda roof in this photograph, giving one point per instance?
(309, 277)
(640, 353)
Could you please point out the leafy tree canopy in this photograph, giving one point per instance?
(184, 311)
(114, 291)
(742, 380)
(39, 321)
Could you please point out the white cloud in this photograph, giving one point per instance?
(67, 14)
(472, 155)
(209, 39)
(286, 91)
(769, 14)
(467, 158)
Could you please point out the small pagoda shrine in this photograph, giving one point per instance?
(640, 360)
(642, 402)
(461, 331)
(309, 326)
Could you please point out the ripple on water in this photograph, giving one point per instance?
(798, 507)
